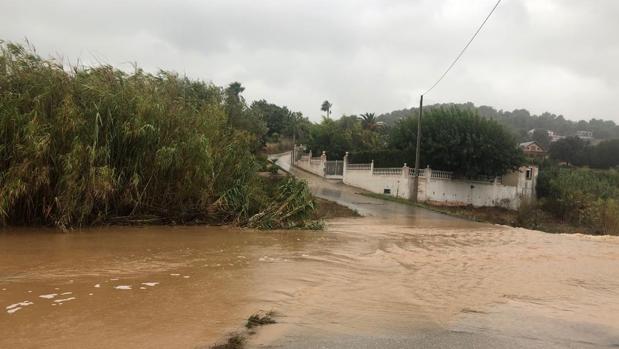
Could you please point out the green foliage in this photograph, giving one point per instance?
(575, 151)
(542, 138)
(347, 133)
(605, 155)
(570, 150)
(520, 121)
(458, 140)
(280, 121)
(241, 118)
(95, 145)
(581, 196)
(326, 107)
(369, 122)
(383, 157)
(290, 206)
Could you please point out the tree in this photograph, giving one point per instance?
(240, 117)
(542, 138)
(604, 155)
(570, 150)
(326, 107)
(235, 103)
(369, 122)
(343, 135)
(459, 140)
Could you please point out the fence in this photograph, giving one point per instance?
(434, 186)
(334, 168)
(389, 171)
(358, 167)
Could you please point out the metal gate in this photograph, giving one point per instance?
(334, 168)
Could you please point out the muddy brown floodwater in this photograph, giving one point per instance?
(397, 277)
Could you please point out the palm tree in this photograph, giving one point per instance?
(326, 107)
(368, 120)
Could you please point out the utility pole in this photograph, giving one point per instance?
(294, 141)
(417, 153)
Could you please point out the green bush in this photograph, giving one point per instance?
(581, 196)
(383, 158)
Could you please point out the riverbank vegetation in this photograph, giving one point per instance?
(581, 197)
(97, 145)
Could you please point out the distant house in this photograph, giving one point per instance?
(532, 149)
(551, 134)
(584, 135)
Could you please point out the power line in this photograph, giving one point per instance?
(464, 49)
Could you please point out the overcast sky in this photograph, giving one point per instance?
(560, 56)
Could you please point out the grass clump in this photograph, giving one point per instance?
(260, 319)
(236, 341)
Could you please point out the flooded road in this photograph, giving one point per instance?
(399, 277)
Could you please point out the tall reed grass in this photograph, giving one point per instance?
(91, 145)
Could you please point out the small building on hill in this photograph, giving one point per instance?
(585, 135)
(533, 149)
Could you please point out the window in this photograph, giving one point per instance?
(387, 191)
(529, 173)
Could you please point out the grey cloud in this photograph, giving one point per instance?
(368, 55)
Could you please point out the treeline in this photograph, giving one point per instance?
(577, 152)
(453, 139)
(520, 121)
(93, 145)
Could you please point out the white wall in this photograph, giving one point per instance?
(314, 167)
(478, 194)
(439, 188)
(447, 191)
(398, 185)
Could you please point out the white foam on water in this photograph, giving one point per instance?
(150, 284)
(11, 311)
(175, 274)
(90, 294)
(64, 300)
(17, 306)
(123, 287)
(97, 285)
(66, 293)
(20, 304)
(4, 289)
(48, 296)
(186, 277)
(114, 279)
(29, 291)
(142, 288)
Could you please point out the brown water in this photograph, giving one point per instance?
(407, 272)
